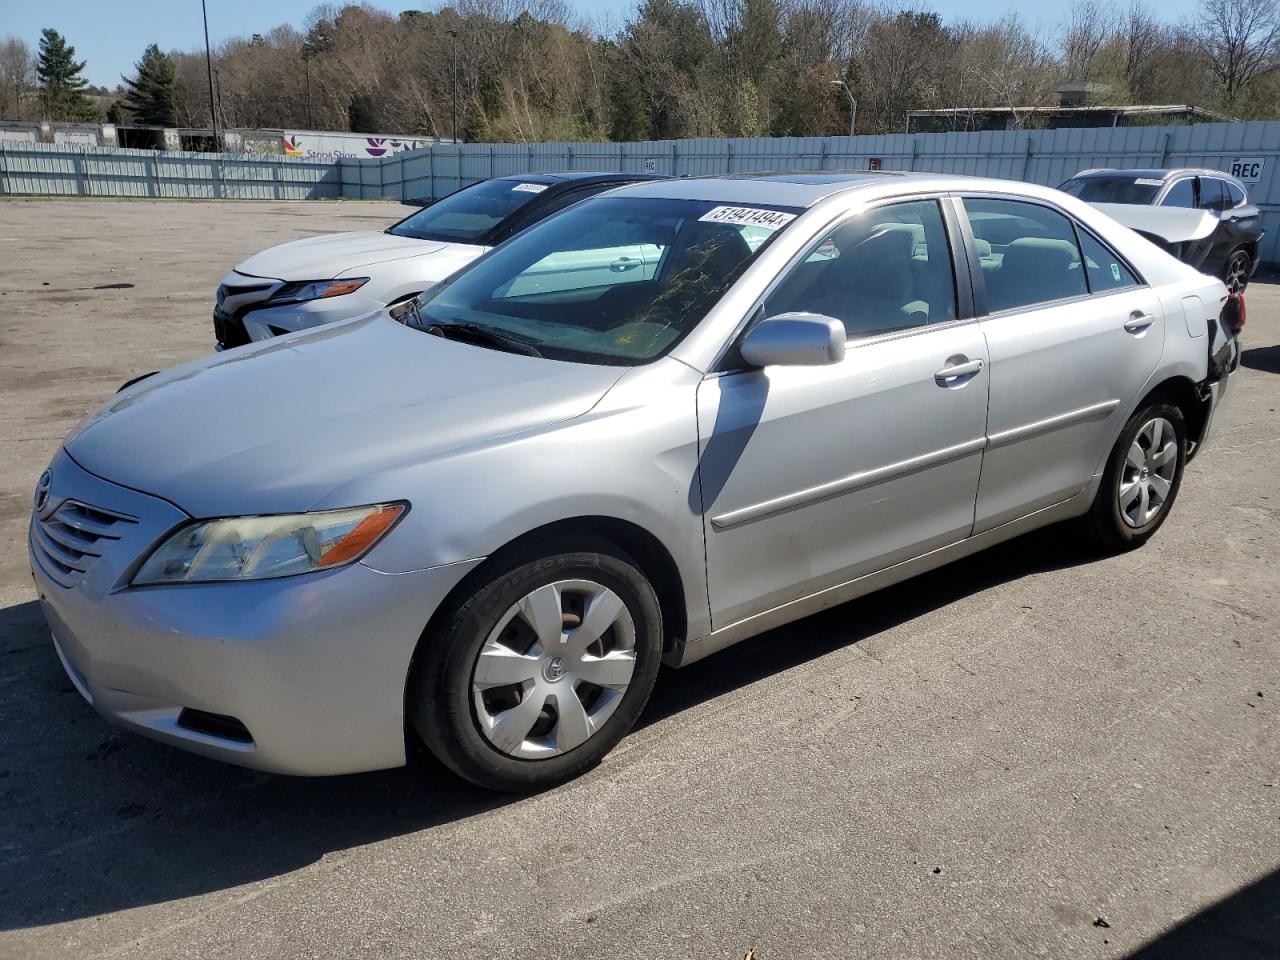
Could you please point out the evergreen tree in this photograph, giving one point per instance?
(61, 85)
(149, 96)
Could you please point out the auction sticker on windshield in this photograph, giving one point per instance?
(748, 217)
(530, 187)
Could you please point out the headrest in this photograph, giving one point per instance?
(1040, 253)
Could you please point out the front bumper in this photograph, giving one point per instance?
(314, 667)
(240, 318)
(274, 321)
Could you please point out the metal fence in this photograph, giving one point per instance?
(1039, 156)
(62, 170)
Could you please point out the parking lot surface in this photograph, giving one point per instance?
(1033, 752)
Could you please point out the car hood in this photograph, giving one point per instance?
(275, 427)
(338, 254)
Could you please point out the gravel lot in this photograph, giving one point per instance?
(1035, 752)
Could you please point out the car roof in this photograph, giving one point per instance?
(558, 177)
(1153, 173)
(799, 188)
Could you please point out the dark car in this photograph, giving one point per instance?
(1228, 249)
(319, 280)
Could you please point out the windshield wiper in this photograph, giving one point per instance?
(476, 333)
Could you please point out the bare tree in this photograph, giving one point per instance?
(17, 77)
(1085, 35)
(1143, 37)
(1015, 66)
(1241, 42)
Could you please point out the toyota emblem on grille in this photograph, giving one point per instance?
(42, 492)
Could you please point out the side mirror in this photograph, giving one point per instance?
(794, 340)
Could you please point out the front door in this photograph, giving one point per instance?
(812, 476)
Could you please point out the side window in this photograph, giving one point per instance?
(1181, 194)
(1235, 196)
(1028, 253)
(883, 270)
(1106, 272)
(554, 205)
(1212, 196)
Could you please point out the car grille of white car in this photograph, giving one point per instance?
(73, 537)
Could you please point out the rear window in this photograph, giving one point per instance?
(1113, 189)
(469, 214)
(1235, 194)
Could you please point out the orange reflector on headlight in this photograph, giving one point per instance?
(362, 536)
(342, 287)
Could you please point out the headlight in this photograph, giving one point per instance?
(258, 548)
(317, 290)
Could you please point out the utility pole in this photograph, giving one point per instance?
(853, 105)
(208, 62)
(453, 36)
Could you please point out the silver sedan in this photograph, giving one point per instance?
(487, 516)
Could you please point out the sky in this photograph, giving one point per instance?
(111, 34)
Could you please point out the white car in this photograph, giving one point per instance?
(306, 283)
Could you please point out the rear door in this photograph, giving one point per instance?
(1073, 335)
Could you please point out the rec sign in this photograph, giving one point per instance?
(1247, 169)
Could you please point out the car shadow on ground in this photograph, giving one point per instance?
(1266, 359)
(98, 820)
(1242, 926)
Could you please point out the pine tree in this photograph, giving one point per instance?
(61, 85)
(149, 96)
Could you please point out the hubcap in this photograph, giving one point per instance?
(1236, 271)
(1147, 476)
(554, 669)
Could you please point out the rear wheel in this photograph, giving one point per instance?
(540, 672)
(1141, 480)
(1237, 271)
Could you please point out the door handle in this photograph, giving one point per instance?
(623, 264)
(956, 368)
(1138, 323)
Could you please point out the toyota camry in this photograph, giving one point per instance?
(484, 519)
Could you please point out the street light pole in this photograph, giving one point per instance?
(208, 62)
(853, 105)
(453, 36)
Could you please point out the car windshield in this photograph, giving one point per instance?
(466, 216)
(1117, 189)
(613, 280)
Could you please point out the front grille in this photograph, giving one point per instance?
(233, 302)
(229, 331)
(73, 537)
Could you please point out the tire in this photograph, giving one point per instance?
(1237, 270)
(477, 714)
(1139, 486)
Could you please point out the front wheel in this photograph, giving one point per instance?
(540, 672)
(1141, 480)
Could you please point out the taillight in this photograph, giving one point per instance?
(1233, 313)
